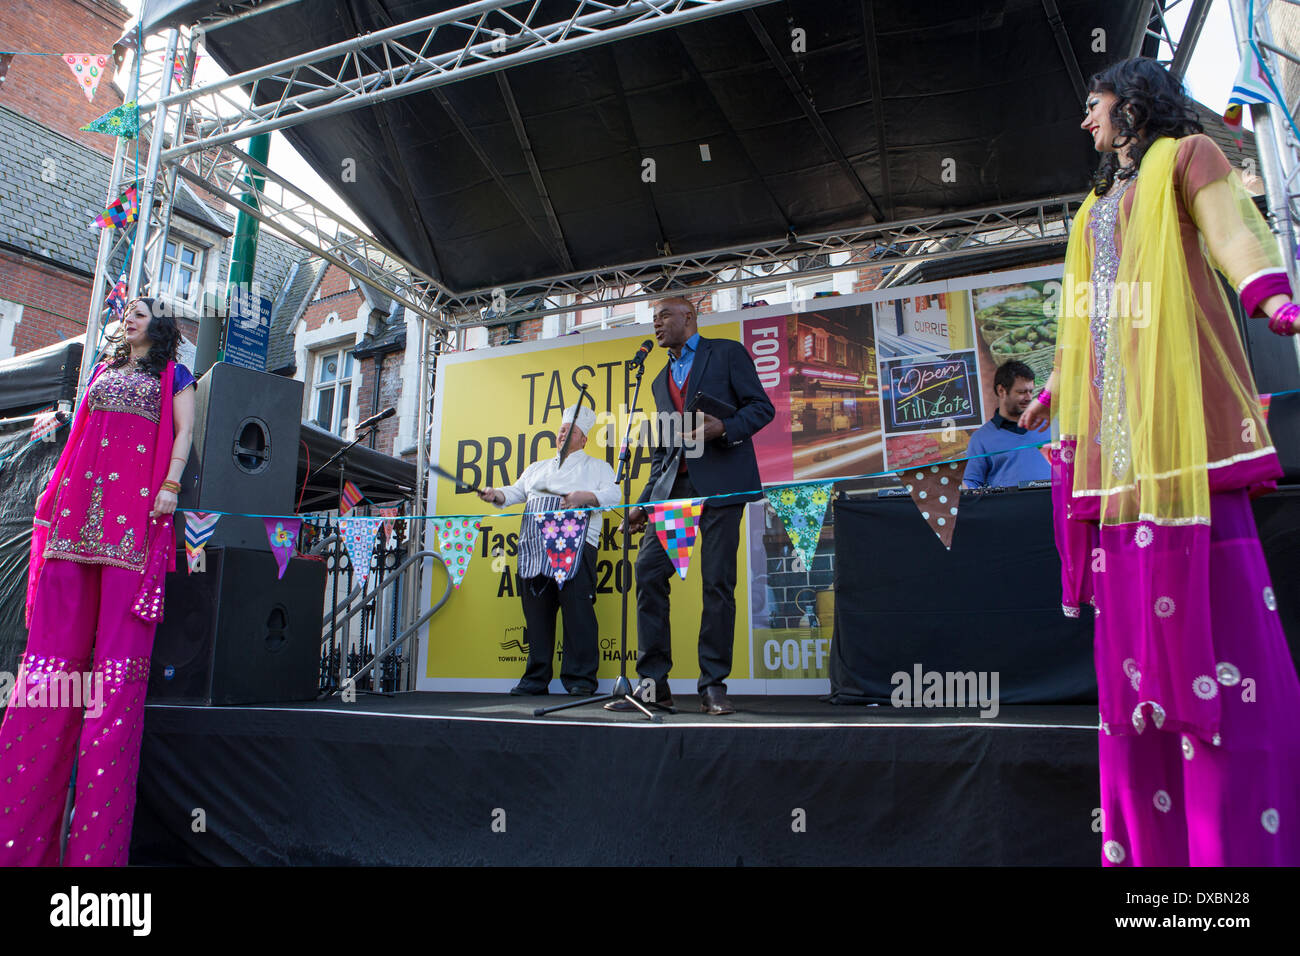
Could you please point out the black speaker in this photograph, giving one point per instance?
(245, 452)
(233, 634)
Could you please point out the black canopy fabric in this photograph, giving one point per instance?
(41, 379)
(726, 132)
(381, 478)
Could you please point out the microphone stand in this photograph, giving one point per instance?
(622, 686)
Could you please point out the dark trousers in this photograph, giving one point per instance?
(715, 561)
(541, 599)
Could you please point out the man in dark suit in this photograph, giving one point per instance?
(717, 459)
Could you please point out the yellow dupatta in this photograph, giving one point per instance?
(1141, 435)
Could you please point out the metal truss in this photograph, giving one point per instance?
(947, 236)
(422, 54)
(294, 214)
(1182, 47)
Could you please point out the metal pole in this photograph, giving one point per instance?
(1270, 137)
(415, 529)
(136, 270)
(154, 263)
(97, 290)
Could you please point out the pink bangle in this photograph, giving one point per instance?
(1044, 398)
(1284, 319)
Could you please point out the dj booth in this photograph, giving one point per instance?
(991, 605)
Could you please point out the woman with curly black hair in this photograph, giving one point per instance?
(102, 544)
(1160, 443)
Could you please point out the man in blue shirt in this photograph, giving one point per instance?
(1014, 387)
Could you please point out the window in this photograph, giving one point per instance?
(182, 268)
(332, 398)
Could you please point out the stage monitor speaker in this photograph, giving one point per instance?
(233, 634)
(245, 454)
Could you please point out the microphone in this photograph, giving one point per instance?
(639, 359)
(388, 412)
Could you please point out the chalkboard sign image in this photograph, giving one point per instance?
(930, 393)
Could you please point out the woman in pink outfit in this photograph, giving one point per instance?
(102, 544)
(1161, 444)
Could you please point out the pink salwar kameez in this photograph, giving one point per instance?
(95, 595)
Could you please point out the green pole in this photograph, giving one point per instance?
(243, 256)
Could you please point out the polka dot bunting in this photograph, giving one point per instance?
(87, 69)
(456, 537)
(932, 482)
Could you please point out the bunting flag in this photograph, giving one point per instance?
(282, 533)
(677, 525)
(936, 489)
(388, 514)
(359, 537)
(88, 69)
(123, 121)
(1250, 86)
(45, 425)
(563, 535)
(5, 60)
(1264, 401)
(115, 301)
(802, 508)
(351, 497)
(456, 538)
(121, 213)
(199, 527)
(178, 66)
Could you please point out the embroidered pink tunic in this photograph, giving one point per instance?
(101, 513)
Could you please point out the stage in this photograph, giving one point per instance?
(476, 779)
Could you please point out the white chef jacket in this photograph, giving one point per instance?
(581, 472)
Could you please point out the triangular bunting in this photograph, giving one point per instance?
(45, 425)
(282, 533)
(115, 301)
(563, 535)
(351, 497)
(123, 121)
(359, 537)
(5, 60)
(121, 213)
(1265, 400)
(388, 514)
(803, 509)
(1250, 86)
(199, 527)
(677, 525)
(178, 66)
(456, 537)
(936, 489)
(88, 69)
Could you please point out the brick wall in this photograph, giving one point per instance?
(345, 304)
(43, 88)
(55, 302)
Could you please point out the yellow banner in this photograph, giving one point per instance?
(498, 412)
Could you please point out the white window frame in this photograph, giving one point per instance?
(167, 283)
(339, 423)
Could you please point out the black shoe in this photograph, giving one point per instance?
(522, 691)
(623, 704)
(713, 700)
(582, 690)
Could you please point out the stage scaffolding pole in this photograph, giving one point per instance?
(146, 189)
(1277, 165)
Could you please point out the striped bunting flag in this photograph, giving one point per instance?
(352, 496)
(198, 529)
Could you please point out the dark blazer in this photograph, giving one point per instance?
(724, 370)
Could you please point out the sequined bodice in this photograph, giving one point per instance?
(1108, 377)
(125, 390)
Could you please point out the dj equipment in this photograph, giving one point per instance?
(234, 634)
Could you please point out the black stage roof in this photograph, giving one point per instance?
(970, 103)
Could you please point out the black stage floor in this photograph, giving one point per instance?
(476, 779)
